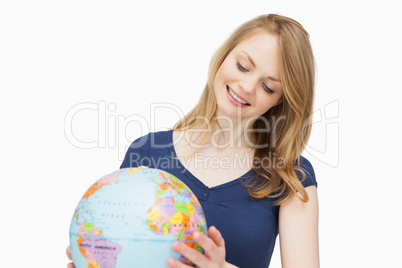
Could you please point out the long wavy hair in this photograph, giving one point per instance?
(297, 74)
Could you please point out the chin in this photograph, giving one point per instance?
(231, 112)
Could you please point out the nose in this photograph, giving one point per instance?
(249, 85)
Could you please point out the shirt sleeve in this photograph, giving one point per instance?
(136, 153)
(310, 178)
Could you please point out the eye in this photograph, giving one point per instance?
(267, 89)
(241, 68)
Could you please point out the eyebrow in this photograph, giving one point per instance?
(252, 63)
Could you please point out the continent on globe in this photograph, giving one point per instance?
(87, 228)
(99, 253)
(174, 211)
(106, 180)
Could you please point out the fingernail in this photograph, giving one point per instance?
(175, 245)
(196, 235)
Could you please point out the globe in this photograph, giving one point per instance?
(131, 217)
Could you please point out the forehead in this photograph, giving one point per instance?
(260, 42)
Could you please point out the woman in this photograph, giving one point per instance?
(245, 164)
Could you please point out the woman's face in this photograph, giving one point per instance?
(251, 73)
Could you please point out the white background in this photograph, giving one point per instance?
(129, 55)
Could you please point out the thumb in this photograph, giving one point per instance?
(68, 252)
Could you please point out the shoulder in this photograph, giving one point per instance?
(306, 165)
(307, 176)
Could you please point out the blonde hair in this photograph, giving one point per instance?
(297, 74)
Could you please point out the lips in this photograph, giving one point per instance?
(237, 95)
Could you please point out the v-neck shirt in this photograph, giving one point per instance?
(248, 226)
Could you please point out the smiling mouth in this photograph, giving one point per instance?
(236, 97)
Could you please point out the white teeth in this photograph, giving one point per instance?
(235, 97)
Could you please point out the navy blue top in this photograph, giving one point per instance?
(249, 227)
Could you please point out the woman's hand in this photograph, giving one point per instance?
(214, 248)
(70, 265)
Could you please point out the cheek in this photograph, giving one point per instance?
(225, 73)
(266, 101)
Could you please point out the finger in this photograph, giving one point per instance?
(68, 252)
(173, 263)
(205, 242)
(216, 236)
(214, 245)
(191, 254)
(70, 265)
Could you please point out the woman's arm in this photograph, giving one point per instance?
(298, 232)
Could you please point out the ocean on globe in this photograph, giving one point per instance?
(131, 217)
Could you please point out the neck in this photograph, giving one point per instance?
(234, 134)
